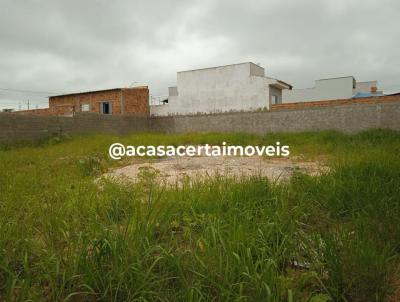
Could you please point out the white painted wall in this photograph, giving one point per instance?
(326, 89)
(238, 87)
(159, 110)
(365, 86)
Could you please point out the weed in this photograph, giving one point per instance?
(333, 237)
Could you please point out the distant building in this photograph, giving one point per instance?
(237, 87)
(114, 101)
(332, 89)
(366, 89)
(242, 87)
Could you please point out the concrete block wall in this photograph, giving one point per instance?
(42, 111)
(14, 127)
(350, 118)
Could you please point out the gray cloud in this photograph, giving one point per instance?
(63, 46)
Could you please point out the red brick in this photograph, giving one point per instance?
(134, 101)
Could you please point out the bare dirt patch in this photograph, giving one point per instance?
(172, 170)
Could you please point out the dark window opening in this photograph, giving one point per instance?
(105, 108)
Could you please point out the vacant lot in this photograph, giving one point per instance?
(175, 170)
(66, 235)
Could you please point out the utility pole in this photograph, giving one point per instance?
(28, 105)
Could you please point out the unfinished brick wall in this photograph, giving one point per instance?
(368, 100)
(132, 101)
(70, 104)
(136, 101)
(122, 100)
(63, 105)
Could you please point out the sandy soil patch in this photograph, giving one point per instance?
(170, 170)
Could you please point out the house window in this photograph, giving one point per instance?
(274, 99)
(105, 108)
(85, 108)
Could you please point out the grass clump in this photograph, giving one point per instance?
(333, 237)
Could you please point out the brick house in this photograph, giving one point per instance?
(116, 101)
(111, 101)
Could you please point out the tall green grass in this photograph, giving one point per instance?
(334, 237)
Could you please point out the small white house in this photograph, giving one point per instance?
(237, 87)
(331, 89)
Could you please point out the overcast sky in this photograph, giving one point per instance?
(51, 47)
